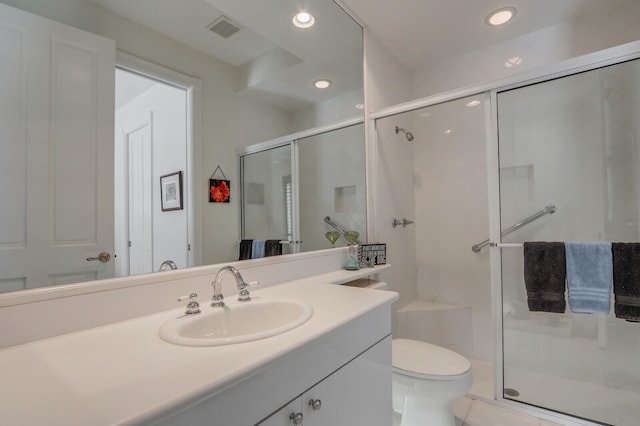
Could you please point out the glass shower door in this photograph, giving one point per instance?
(572, 142)
(332, 183)
(267, 196)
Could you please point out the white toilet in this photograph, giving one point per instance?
(426, 379)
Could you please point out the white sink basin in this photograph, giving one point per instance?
(237, 323)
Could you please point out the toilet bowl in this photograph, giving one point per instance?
(426, 379)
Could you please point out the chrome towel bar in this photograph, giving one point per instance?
(550, 209)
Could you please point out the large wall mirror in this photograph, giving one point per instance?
(106, 174)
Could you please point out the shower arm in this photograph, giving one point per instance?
(337, 227)
(550, 209)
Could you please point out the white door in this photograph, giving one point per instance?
(56, 155)
(139, 145)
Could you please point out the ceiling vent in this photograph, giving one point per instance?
(224, 27)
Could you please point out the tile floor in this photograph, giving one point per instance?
(476, 412)
(469, 412)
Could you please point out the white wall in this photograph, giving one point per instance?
(329, 111)
(167, 106)
(451, 212)
(261, 121)
(390, 171)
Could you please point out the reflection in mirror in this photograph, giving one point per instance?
(256, 85)
(289, 190)
(332, 183)
(267, 190)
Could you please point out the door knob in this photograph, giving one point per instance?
(103, 257)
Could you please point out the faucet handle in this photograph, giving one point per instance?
(243, 295)
(193, 307)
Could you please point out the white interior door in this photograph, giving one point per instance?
(56, 157)
(139, 143)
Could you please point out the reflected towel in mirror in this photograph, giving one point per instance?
(257, 251)
(246, 247)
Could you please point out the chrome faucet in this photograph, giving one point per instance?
(218, 298)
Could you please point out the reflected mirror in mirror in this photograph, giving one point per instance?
(251, 86)
(290, 190)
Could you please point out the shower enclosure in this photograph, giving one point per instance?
(572, 142)
(552, 157)
(289, 186)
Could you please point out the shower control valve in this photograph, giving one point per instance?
(404, 222)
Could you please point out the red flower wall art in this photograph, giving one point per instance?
(219, 190)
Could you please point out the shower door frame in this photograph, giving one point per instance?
(489, 91)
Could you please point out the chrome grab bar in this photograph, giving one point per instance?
(550, 209)
(338, 228)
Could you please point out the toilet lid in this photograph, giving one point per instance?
(424, 360)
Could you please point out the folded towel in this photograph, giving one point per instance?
(272, 248)
(245, 249)
(626, 280)
(257, 251)
(589, 272)
(544, 276)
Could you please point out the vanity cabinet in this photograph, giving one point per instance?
(358, 393)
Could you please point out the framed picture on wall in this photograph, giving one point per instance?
(171, 191)
(219, 191)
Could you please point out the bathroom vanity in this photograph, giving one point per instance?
(335, 368)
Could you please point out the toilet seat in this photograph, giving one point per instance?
(426, 361)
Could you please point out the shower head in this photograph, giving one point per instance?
(407, 134)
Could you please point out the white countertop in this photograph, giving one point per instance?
(123, 373)
(343, 276)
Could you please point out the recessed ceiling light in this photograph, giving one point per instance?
(447, 132)
(500, 16)
(513, 62)
(303, 20)
(473, 103)
(322, 83)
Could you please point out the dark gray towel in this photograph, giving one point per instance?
(272, 248)
(626, 280)
(245, 249)
(544, 276)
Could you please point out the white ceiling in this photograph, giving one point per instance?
(276, 60)
(186, 21)
(419, 32)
